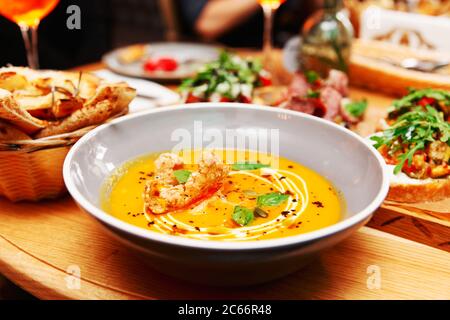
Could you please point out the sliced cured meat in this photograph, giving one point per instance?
(299, 86)
(332, 101)
(300, 104)
(338, 81)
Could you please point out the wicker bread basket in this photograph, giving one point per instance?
(32, 169)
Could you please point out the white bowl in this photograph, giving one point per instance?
(344, 158)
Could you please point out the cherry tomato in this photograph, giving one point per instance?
(150, 65)
(167, 64)
(163, 64)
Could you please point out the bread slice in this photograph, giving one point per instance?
(12, 112)
(110, 100)
(408, 190)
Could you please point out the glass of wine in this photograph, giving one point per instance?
(269, 8)
(28, 14)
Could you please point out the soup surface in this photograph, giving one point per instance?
(248, 200)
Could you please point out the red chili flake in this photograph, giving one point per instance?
(318, 204)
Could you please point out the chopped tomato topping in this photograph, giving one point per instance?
(245, 99)
(225, 99)
(265, 81)
(192, 99)
(425, 101)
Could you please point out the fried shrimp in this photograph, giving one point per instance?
(164, 193)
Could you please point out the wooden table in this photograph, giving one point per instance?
(55, 251)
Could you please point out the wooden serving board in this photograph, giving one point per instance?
(42, 243)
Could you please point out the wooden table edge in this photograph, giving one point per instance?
(41, 281)
(19, 273)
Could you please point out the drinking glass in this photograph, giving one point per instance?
(27, 14)
(269, 8)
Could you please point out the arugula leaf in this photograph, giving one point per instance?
(408, 156)
(271, 199)
(415, 95)
(248, 166)
(413, 131)
(356, 108)
(311, 76)
(242, 215)
(182, 175)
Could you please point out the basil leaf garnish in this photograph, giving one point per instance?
(242, 215)
(271, 199)
(356, 108)
(182, 175)
(248, 166)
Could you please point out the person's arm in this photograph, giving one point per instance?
(219, 16)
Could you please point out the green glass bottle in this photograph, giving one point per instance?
(326, 40)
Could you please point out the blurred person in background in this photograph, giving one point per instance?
(239, 23)
(107, 24)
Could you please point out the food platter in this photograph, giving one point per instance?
(189, 57)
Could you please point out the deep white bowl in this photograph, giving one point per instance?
(352, 165)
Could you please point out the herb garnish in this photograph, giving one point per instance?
(356, 108)
(412, 131)
(406, 103)
(312, 94)
(242, 215)
(271, 199)
(182, 176)
(311, 76)
(248, 166)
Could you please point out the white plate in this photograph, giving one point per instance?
(190, 57)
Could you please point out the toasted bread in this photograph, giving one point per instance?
(409, 190)
(11, 111)
(109, 100)
(45, 103)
